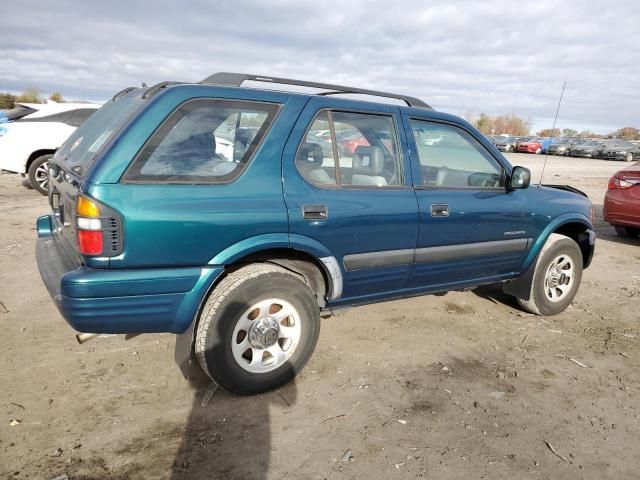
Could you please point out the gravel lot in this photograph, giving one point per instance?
(464, 385)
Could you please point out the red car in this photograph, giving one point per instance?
(532, 146)
(622, 201)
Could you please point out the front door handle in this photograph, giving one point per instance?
(315, 212)
(439, 210)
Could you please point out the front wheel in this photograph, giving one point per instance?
(39, 174)
(628, 157)
(538, 151)
(257, 329)
(556, 277)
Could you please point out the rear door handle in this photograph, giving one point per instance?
(439, 210)
(315, 212)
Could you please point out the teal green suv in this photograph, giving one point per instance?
(237, 217)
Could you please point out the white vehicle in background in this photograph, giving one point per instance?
(31, 133)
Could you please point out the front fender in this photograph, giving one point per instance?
(521, 286)
(556, 223)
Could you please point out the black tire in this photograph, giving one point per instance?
(627, 231)
(538, 151)
(229, 302)
(538, 302)
(628, 157)
(37, 171)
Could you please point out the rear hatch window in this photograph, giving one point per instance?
(81, 147)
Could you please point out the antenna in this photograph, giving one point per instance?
(546, 155)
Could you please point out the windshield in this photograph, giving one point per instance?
(82, 146)
(16, 113)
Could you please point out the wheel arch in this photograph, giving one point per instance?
(578, 228)
(322, 274)
(36, 154)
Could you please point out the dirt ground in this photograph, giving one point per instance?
(464, 385)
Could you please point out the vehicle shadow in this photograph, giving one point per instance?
(227, 436)
(494, 294)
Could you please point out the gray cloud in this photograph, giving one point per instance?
(459, 56)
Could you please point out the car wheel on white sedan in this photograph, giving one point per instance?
(39, 173)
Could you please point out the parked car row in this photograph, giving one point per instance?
(30, 134)
(570, 147)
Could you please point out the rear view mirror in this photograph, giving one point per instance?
(520, 178)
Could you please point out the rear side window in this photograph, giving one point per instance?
(203, 141)
(451, 158)
(351, 149)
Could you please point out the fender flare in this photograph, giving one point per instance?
(519, 287)
(296, 242)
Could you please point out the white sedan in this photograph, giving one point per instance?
(30, 140)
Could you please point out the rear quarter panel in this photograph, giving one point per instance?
(189, 224)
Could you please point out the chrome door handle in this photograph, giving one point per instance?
(315, 212)
(439, 210)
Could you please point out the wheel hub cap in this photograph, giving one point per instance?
(264, 332)
(559, 278)
(266, 335)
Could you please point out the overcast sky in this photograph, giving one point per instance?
(459, 56)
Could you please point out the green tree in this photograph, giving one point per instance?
(484, 123)
(628, 133)
(7, 101)
(569, 132)
(30, 95)
(548, 132)
(56, 97)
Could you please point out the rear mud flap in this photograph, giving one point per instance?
(184, 354)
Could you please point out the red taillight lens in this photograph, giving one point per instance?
(617, 183)
(90, 242)
(89, 226)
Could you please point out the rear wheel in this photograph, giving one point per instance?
(628, 157)
(556, 277)
(627, 231)
(257, 329)
(39, 174)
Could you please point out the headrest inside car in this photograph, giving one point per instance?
(368, 160)
(310, 152)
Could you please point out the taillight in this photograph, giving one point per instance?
(90, 242)
(89, 227)
(617, 183)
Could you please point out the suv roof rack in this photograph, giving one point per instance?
(236, 80)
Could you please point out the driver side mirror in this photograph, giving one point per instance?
(520, 178)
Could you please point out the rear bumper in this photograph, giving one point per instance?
(122, 300)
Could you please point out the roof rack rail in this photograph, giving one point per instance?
(122, 92)
(153, 89)
(236, 79)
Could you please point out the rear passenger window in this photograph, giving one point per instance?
(351, 149)
(203, 141)
(451, 157)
